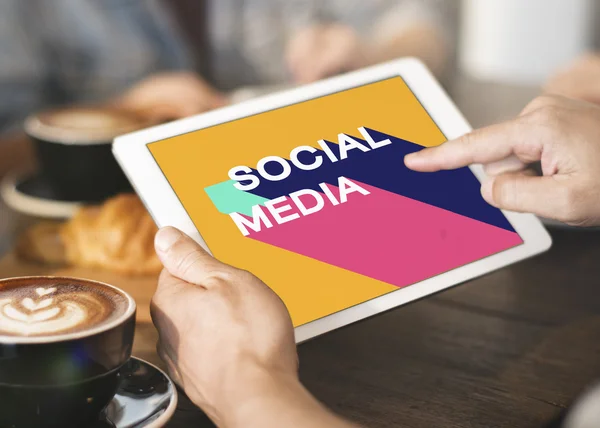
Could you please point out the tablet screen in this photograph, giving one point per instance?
(315, 200)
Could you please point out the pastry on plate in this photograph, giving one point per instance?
(42, 243)
(117, 236)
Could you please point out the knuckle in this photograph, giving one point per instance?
(468, 139)
(549, 115)
(219, 277)
(188, 262)
(245, 276)
(565, 205)
(541, 102)
(219, 300)
(464, 148)
(570, 203)
(224, 277)
(536, 104)
(504, 192)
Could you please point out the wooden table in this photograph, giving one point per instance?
(512, 349)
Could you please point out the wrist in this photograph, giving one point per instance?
(273, 399)
(253, 393)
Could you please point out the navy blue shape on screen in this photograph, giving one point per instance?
(457, 191)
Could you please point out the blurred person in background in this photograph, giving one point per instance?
(168, 59)
(301, 41)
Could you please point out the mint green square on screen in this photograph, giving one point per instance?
(229, 200)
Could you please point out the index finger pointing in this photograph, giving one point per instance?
(485, 145)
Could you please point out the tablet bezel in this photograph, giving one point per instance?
(163, 204)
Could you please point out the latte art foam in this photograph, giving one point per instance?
(83, 125)
(51, 309)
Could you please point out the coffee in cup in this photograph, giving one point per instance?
(63, 342)
(73, 147)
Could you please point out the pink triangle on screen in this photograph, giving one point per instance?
(389, 237)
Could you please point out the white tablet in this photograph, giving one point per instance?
(307, 189)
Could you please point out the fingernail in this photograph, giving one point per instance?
(165, 238)
(487, 190)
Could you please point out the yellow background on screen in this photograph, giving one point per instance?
(311, 289)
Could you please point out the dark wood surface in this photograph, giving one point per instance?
(511, 349)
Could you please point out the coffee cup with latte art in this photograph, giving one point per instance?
(63, 342)
(73, 147)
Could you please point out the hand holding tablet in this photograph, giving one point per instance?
(308, 190)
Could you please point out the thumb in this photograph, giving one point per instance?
(185, 259)
(524, 193)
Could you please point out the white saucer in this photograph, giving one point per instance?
(31, 195)
(147, 398)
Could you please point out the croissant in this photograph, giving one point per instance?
(117, 236)
(42, 243)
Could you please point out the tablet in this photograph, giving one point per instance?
(307, 189)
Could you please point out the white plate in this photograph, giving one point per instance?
(33, 204)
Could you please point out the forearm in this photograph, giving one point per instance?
(278, 401)
(421, 41)
(16, 153)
